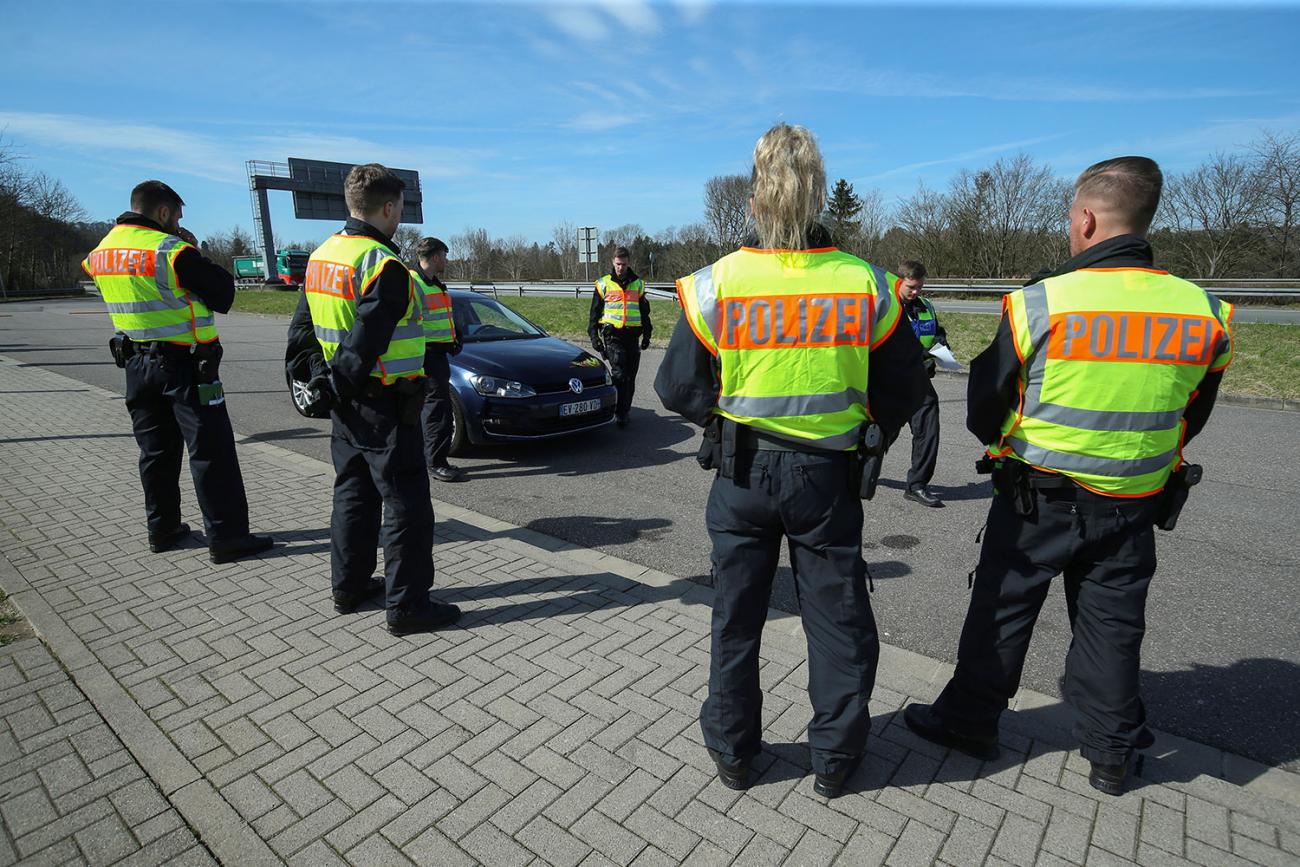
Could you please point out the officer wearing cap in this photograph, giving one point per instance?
(161, 294)
(1100, 373)
(791, 352)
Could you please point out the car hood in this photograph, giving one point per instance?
(537, 361)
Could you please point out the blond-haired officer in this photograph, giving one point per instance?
(789, 350)
(1101, 371)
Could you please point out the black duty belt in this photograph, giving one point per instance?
(376, 390)
(158, 348)
(749, 438)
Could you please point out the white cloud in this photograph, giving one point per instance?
(637, 16)
(693, 12)
(160, 149)
(985, 151)
(579, 22)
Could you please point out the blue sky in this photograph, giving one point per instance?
(519, 116)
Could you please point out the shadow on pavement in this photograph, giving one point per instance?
(645, 443)
(293, 433)
(603, 530)
(91, 436)
(969, 491)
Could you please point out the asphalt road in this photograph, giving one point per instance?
(1222, 656)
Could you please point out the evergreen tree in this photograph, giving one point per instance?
(841, 210)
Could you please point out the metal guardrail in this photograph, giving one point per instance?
(519, 289)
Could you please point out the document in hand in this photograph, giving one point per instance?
(945, 357)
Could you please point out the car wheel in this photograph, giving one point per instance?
(302, 397)
(459, 439)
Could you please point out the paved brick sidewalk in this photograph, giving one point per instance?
(556, 726)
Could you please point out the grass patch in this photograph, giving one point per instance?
(1266, 362)
(8, 618)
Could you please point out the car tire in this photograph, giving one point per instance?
(299, 397)
(459, 437)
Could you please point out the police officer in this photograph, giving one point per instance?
(161, 294)
(441, 342)
(619, 326)
(1099, 374)
(790, 349)
(367, 314)
(925, 421)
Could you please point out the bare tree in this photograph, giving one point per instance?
(1212, 210)
(1277, 170)
(726, 210)
(925, 220)
(1003, 217)
(458, 257)
(407, 238)
(514, 258)
(565, 239)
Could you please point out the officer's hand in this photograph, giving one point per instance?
(597, 345)
(187, 236)
(645, 341)
(930, 365)
(456, 346)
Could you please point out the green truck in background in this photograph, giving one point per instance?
(290, 266)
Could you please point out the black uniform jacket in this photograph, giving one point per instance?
(688, 381)
(598, 308)
(378, 312)
(202, 277)
(993, 390)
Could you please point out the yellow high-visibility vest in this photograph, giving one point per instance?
(134, 269)
(339, 272)
(439, 326)
(622, 303)
(793, 331)
(1111, 359)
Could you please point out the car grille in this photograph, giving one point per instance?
(531, 426)
(588, 381)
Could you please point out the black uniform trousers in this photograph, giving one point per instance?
(166, 412)
(435, 417)
(623, 351)
(925, 440)
(1105, 547)
(381, 494)
(806, 498)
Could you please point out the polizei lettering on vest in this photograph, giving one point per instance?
(1141, 337)
(328, 278)
(783, 321)
(123, 261)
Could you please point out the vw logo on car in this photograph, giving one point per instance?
(575, 386)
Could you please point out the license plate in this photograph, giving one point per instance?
(580, 407)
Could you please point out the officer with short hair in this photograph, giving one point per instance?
(924, 422)
(790, 355)
(441, 342)
(367, 315)
(1101, 371)
(619, 327)
(161, 294)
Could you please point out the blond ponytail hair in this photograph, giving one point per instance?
(789, 186)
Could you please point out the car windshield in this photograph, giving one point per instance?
(482, 319)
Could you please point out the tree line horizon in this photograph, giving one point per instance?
(1235, 215)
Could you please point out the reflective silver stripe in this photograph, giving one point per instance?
(884, 296)
(329, 335)
(1103, 419)
(409, 331)
(707, 300)
(1111, 467)
(205, 321)
(162, 271)
(791, 405)
(404, 365)
(839, 442)
(1039, 324)
(1225, 342)
(137, 306)
(158, 333)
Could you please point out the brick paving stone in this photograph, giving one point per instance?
(552, 843)
(568, 735)
(1018, 840)
(918, 844)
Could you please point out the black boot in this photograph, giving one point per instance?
(166, 541)
(832, 785)
(435, 616)
(922, 719)
(1108, 778)
(733, 774)
(347, 601)
(235, 549)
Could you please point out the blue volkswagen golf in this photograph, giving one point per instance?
(512, 382)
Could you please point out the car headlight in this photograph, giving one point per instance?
(491, 386)
(609, 380)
